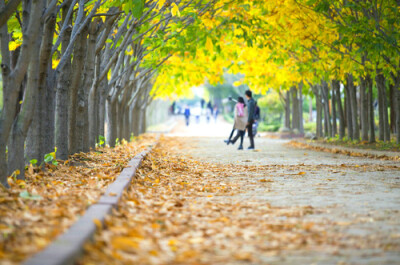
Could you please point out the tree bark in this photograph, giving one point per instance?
(287, 110)
(334, 113)
(24, 119)
(348, 112)
(301, 121)
(327, 116)
(353, 107)
(371, 115)
(295, 109)
(13, 77)
(62, 97)
(384, 130)
(392, 102)
(76, 82)
(342, 125)
(83, 92)
(364, 109)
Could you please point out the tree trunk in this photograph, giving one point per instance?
(102, 108)
(143, 119)
(371, 115)
(76, 82)
(136, 119)
(295, 109)
(287, 110)
(353, 107)
(364, 109)
(310, 110)
(83, 92)
(40, 53)
(396, 88)
(342, 125)
(62, 97)
(93, 105)
(334, 115)
(327, 116)
(301, 121)
(348, 113)
(111, 109)
(392, 102)
(397, 92)
(384, 130)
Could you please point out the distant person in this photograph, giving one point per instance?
(251, 107)
(208, 115)
(209, 106)
(241, 116)
(187, 115)
(215, 112)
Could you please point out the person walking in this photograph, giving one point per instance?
(187, 115)
(240, 123)
(250, 120)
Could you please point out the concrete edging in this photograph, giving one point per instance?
(68, 247)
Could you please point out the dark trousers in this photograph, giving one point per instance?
(250, 133)
(239, 134)
(230, 136)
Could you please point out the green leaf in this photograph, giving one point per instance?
(138, 6)
(48, 158)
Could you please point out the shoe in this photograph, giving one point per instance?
(250, 148)
(227, 142)
(240, 148)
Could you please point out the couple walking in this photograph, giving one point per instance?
(244, 119)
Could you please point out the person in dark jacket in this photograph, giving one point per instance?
(187, 115)
(251, 107)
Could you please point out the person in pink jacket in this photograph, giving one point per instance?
(240, 122)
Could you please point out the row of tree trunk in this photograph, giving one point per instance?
(99, 88)
(344, 109)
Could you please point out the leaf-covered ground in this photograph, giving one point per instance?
(33, 212)
(186, 206)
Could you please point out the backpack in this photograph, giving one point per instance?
(257, 113)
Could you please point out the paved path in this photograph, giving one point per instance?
(355, 200)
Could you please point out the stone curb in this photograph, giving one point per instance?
(68, 247)
(349, 151)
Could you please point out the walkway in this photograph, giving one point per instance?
(199, 201)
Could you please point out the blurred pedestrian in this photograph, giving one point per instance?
(215, 112)
(187, 115)
(241, 116)
(250, 120)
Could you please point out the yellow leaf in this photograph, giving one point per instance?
(301, 173)
(237, 83)
(13, 45)
(112, 194)
(175, 10)
(21, 183)
(266, 180)
(209, 45)
(160, 4)
(124, 243)
(98, 223)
